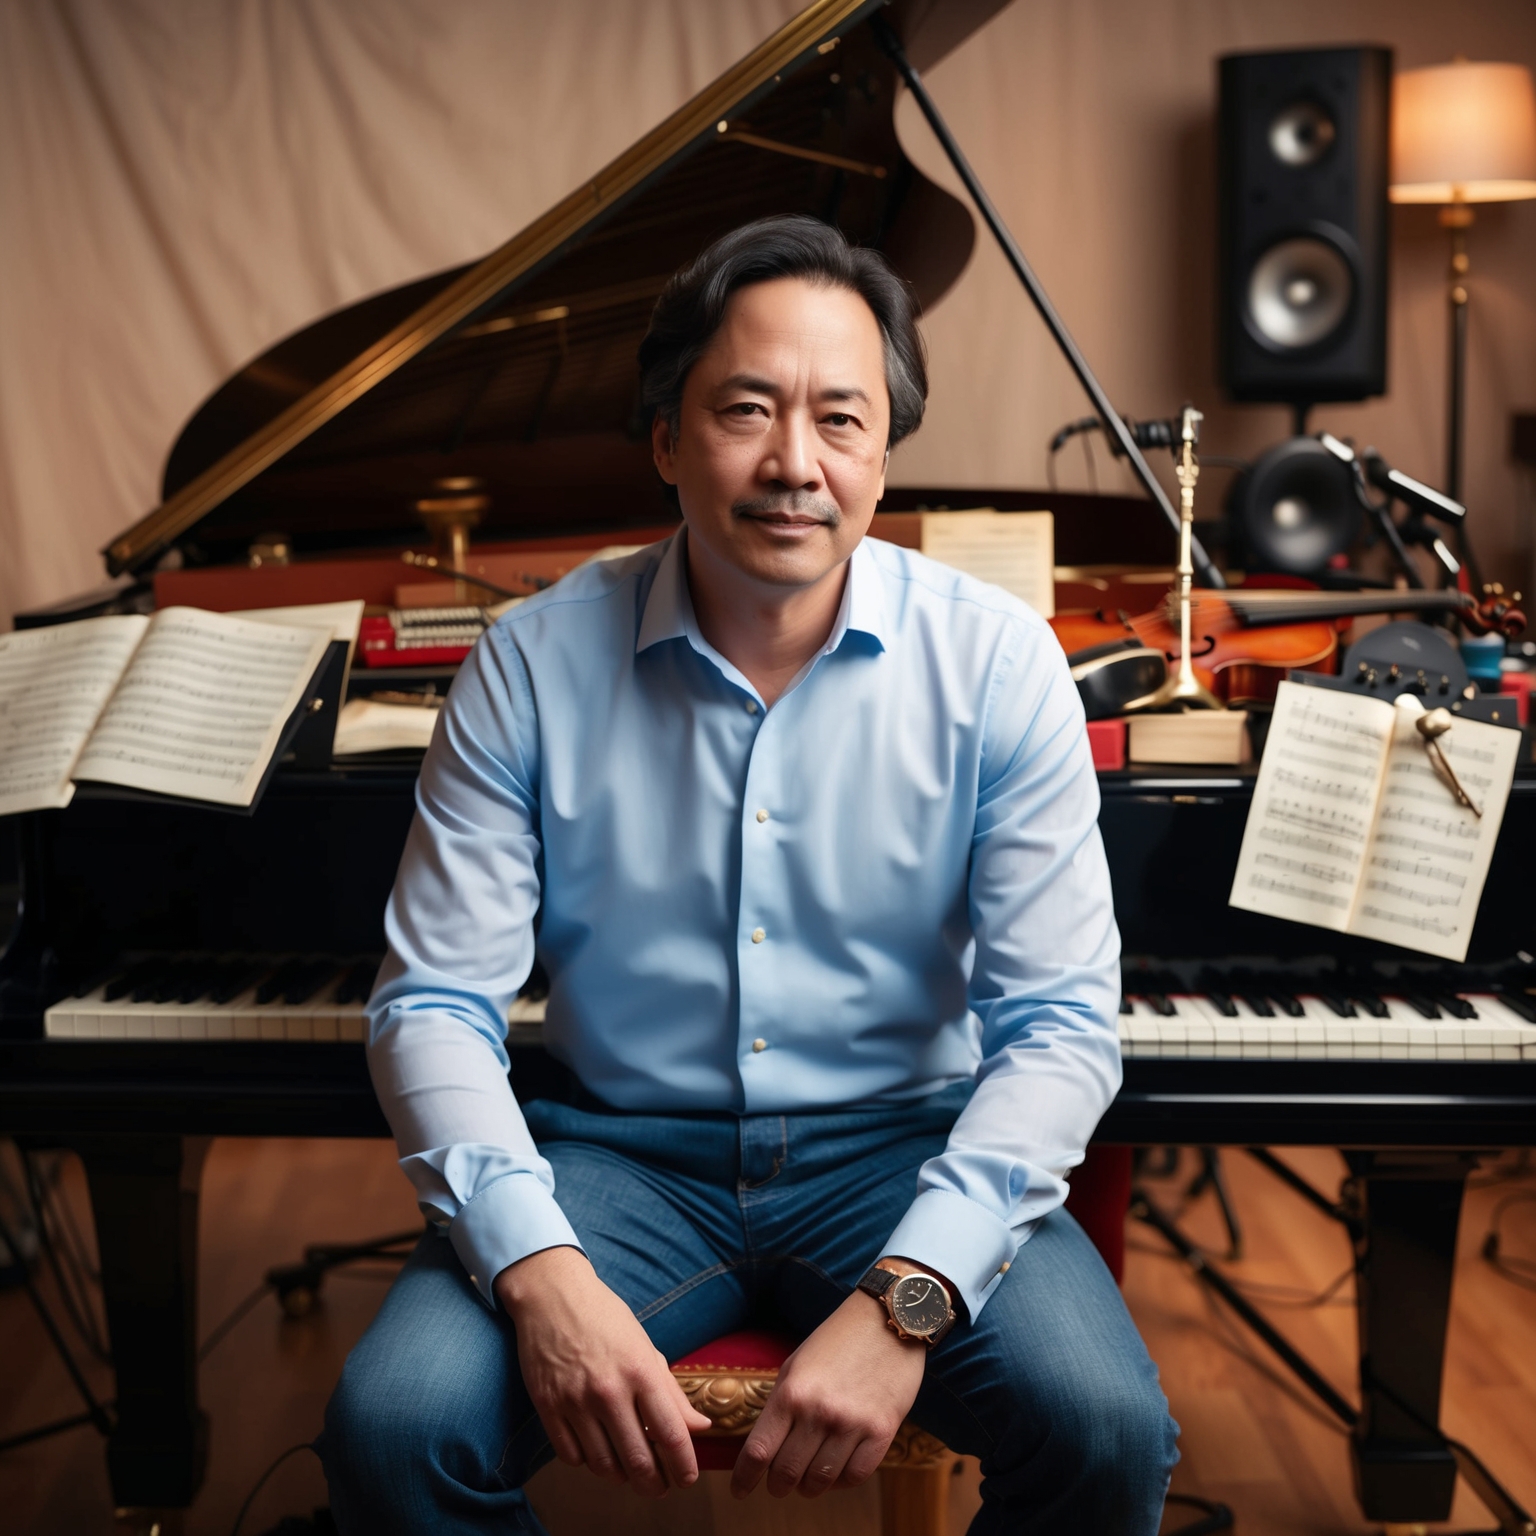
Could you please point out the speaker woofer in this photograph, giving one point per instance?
(1295, 509)
(1299, 292)
(1301, 134)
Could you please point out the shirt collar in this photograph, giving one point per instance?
(669, 613)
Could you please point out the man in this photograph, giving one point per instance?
(809, 828)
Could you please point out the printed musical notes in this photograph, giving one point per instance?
(201, 706)
(1352, 829)
(187, 703)
(1429, 855)
(53, 684)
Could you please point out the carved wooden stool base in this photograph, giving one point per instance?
(729, 1380)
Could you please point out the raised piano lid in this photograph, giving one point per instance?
(514, 378)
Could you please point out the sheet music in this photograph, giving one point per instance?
(201, 706)
(53, 685)
(1013, 550)
(1313, 806)
(1428, 860)
(340, 620)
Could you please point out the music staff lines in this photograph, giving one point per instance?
(1310, 842)
(1310, 785)
(1421, 868)
(1286, 888)
(1325, 873)
(1418, 845)
(1446, 828)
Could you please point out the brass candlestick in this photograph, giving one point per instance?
(1184, 690)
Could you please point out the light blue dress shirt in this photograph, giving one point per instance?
(889, 882)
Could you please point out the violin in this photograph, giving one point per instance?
(1243, 641)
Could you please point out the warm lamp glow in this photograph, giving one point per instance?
(1463, 133)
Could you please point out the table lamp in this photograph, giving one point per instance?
(1462, 133)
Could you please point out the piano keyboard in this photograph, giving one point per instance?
(1359, 1027)
(287, 999)
(302, 998)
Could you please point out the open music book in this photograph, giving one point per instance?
(187, 704)
(1352, 828)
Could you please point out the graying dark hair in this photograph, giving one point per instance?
(692, 308)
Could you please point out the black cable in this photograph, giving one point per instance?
(98, 1414)
(261, 1482)
(43, 1431)
(1217, 1516)
(227, 1326)
(74, 1292)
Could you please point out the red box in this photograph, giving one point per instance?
(1106, 740)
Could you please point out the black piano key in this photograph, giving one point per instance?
(237, 977)
(1222, 1003)
(150, 979)
(1289, 1006)
(179, 974)
(1339, 1004)
(1520, 1003)
(1421, 1005)
(126, 980)
(308, 979)
(1160, 1005)
(1259, 1003)
(358, 983)
(1457, 1007)
(1125, 1004)
(1372, 1004)
(196, 982)
(283, 976)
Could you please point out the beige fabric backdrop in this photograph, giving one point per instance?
(182, 182)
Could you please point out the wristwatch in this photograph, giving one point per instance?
(918, 1305)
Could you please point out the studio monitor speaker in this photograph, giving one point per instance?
(1303, 185)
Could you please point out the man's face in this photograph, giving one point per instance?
(780, 455)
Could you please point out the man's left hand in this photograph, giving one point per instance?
(838, 1403)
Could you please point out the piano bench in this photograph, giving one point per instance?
(729, 1379)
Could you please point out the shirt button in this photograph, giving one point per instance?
(759, 1044)
(762, 815)
(751, 706)
(758, 935)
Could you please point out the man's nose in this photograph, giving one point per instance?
(792, 458)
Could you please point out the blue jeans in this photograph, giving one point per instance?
(705, 1223)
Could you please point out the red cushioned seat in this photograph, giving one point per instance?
(739, 1368)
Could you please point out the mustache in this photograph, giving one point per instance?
(790, 504)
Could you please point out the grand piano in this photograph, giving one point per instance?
(499, 401)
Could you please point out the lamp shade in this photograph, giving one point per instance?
(1463, 133)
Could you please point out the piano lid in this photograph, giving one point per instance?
(514, 379)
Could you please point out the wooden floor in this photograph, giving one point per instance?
(1249, 1436)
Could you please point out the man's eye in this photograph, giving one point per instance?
(747, 408)
(839, 419)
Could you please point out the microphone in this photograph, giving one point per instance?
(1412, 493)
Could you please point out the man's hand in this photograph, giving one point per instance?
(839, 1401)
(602, 1390)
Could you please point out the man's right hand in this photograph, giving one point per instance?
(602, 1390)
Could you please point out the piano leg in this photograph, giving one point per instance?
(144, 1193)
(1407, 1206)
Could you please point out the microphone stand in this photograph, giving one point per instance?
(1114, 425)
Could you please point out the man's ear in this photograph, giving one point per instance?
(885, 464)
(664, 449)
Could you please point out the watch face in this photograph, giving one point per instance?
(918, 1303)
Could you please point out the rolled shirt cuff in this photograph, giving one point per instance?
(506, 1222)
(962, 1241)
